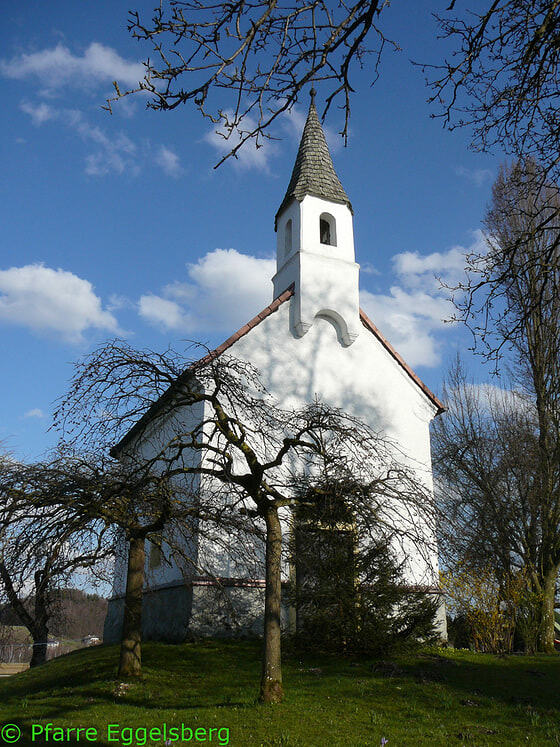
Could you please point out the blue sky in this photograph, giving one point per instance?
(119, 225)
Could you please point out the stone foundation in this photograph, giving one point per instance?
(180, 612)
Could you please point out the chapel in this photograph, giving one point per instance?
(312, 340)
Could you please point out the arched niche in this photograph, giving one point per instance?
(327, 229)
(288, 230)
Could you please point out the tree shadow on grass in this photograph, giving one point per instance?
(177, 678)
(211, 675)
(512, 680)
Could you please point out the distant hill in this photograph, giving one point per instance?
(78, 614)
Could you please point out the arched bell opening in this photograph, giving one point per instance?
(327, 229)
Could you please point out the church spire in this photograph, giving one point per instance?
(313, 172)
(315, 242)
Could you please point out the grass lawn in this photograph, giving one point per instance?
(430, 697)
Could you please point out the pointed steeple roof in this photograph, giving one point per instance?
(314, 172)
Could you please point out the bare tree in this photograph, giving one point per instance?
(213, 420)
(88, 492)
(509, 299)
(499, 495)
(501, 81)
(42, 547)
(502, 78)
(259, 54)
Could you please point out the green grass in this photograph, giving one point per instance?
(429, 697)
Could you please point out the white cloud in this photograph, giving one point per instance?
(162, 312)
(415, 269)
(368, 269)
(115, 153)
(52, 301)
(225, 290)
(34, 413)
(412, 314)
(493, 399)
(169, 161)
(57, 67)
(409, 321)
(490, 396)
(248, 156)
(478, 177)
(233, 274)
(182, 292)
(39, 113)
(118, 302)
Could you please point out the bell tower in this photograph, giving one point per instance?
(315, 240)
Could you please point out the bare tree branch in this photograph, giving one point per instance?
(260, 54)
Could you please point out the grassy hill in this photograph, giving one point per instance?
(432, 697)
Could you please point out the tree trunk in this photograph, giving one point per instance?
(36, 624)
(40, 637)
(547, 611)
(271, 681)
(130, 664)
(40, 629)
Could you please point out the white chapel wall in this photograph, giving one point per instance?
(362, 379)
(153, 440)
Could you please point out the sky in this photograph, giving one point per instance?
(118, 225)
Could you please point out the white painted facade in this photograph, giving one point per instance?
(357, 374)
(315, 345)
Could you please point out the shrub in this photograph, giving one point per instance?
(352, 599)
(487, 609)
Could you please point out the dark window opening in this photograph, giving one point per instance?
(288, 238)
(327, 229)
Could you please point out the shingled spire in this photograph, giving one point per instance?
(313, 172)
(315, 242)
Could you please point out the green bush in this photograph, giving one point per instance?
(349, 595)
